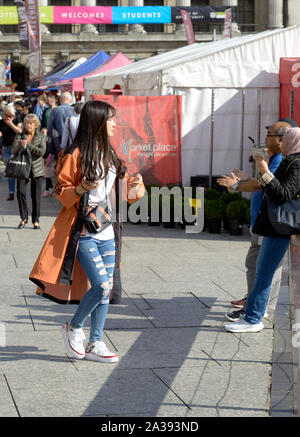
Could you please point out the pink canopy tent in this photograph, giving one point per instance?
(76, 84)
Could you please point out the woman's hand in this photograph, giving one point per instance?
(135, 181)
(261, 164)
(87, 185)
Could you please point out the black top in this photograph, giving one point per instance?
(285, 186)
(8, 135)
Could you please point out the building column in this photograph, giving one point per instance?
(293, 12)
(89, 28)
(180, 27)
(43, 27)
(136, 28)
(276, 14)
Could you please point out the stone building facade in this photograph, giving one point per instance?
(136, 41)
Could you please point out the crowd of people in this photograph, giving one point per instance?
(39, 124)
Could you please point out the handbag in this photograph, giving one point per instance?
(98, 218)
(19, 165)
(284, 217)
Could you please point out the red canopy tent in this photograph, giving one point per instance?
(289, 78)
(77, 84)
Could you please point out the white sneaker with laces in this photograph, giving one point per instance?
(73, 339)
(243, 326)
(98, 351)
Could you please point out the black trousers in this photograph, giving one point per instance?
(35, 190)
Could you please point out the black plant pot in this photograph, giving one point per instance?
(225, 223)
(235, 227)
(214, 226)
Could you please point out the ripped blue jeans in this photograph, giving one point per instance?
(97, 258)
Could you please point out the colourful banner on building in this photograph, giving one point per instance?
(188, 26)
(32, 9)
(205, 14)
(23, 28)
(82, 14)
(148, 135)
(143, 14)
(117, 15)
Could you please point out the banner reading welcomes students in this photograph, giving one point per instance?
(148, 136)
(116, 15)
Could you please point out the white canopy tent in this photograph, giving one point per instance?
(230, 91)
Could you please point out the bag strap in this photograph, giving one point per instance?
(297, 159)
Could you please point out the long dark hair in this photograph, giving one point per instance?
(93, 142)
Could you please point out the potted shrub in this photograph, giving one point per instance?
(214, 212)
(227, 198)
(235, 212)
(211, 194)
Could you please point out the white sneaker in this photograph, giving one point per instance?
(243, 326)
(73, 339)
(99, 352)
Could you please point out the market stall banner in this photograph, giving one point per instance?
(117, 15)
(289, 78)
(148, 135)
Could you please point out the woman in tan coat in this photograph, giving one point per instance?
(75, 266)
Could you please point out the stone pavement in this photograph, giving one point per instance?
(176, 359)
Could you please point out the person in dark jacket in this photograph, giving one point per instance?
(36, 143)
(283, 185)
(10, 126)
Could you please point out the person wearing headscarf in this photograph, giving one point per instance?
(283, 185)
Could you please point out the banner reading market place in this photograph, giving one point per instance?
(117, 15)
(148, 135)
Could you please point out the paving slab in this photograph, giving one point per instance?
(226, 393)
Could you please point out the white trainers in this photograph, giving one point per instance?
(243, 326)
(73, 339)
(99, 352)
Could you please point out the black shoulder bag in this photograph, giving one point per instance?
(19, 165)
(98, 218)
(285, 217)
